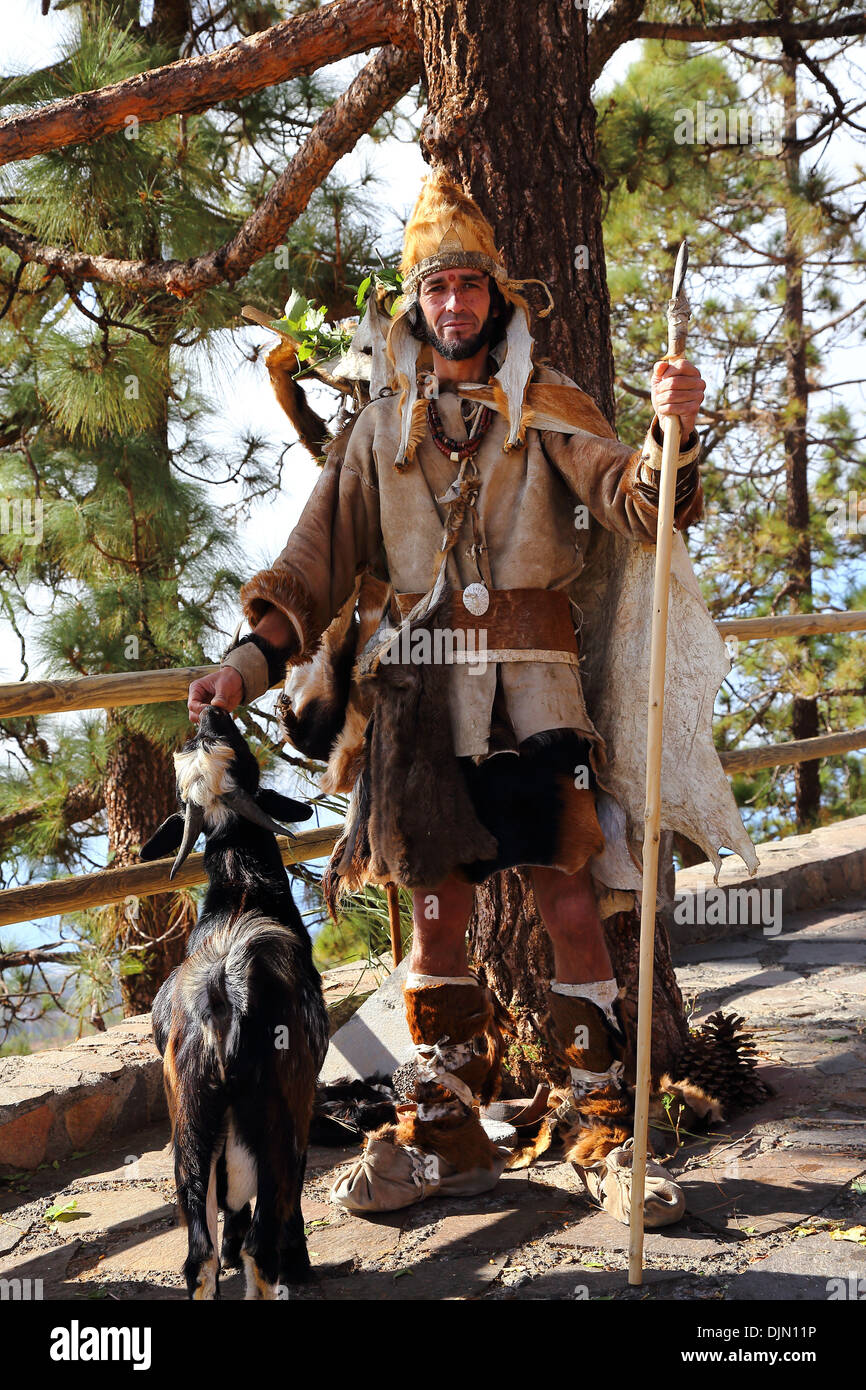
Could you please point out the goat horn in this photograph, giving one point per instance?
(245, 806)
(192, 824)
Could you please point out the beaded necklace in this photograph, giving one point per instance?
(457, 449)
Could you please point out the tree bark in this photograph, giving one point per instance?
(804, 712)
(298, 46)
(510, 118)
(139, 794)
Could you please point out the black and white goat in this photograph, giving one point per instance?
(240, 1023)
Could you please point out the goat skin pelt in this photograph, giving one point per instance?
(614, 596)
(410, 817)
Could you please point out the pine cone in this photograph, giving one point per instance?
(720, 1057)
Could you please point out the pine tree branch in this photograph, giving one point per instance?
(83, 801)
(847, 26)
(610, 31)
(384, 80)
(15, 960)
(296, 47)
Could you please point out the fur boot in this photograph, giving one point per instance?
(599, 1136)
(438, 1146)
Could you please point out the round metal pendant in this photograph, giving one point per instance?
(476, 599)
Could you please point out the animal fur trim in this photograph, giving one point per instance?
(693, 1107)
(403, 350)
(446, 222)
(417, 428)
(604, 1122)
(283, 589)
(597, 1042)
(456, 1136)
(447, 1015)
(547, 406)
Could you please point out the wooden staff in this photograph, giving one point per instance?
(678, 316)
(393, 895)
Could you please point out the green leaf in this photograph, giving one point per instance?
(61, 1211)
(296, 306)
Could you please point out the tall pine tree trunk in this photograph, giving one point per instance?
(139, 794)
(804, 714)
(510, 117)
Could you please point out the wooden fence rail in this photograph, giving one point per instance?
(139, 880)
(793, 625)
(804, 750)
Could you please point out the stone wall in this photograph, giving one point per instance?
(57, 1102)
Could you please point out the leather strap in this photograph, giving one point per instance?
(520, 624)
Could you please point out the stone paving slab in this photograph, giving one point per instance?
(50, 1267)
(154, 1254)
(759, 1192)
(114, 1211)
(499, 1227)
(599, 1231)
(579, 1283)
(442, 1280)
(812, 1268)
(350, 1240)
(155, 1165)
(10, 1234)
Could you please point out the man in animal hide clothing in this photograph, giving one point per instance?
(467, 519)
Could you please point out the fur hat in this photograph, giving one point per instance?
(448, 229)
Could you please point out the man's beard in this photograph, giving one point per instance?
(458, 349)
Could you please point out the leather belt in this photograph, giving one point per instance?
(518, 620)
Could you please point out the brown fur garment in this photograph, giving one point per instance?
(692, 1107)
(567, 1014)
(607, 1123)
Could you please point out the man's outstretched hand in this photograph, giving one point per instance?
(677, 388)
(223, 688)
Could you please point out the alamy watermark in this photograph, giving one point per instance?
(853, 1288)
(847, 515)
(443, 646)
(22, 517)
(734, 907)
(21, 1290)
(726, 125)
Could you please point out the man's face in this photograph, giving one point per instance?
(456, 309)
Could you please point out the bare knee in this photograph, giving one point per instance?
(566, 902)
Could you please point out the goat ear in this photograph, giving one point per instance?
(165, 840)
(282, 808)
